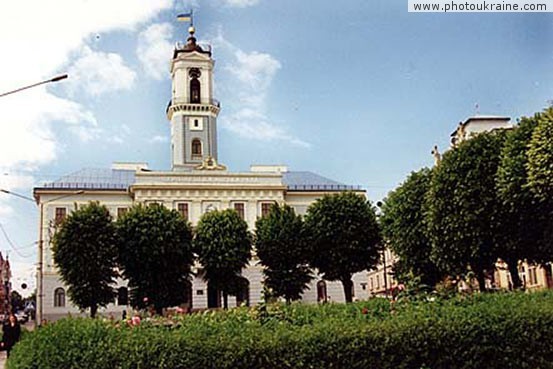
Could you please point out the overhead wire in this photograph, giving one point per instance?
(12, 245)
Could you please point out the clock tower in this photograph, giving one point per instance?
(192, 110)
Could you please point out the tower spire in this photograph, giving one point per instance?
(192, 110)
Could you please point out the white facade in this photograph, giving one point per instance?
(196, 183)
(478, 124)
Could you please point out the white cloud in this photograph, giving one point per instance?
(159, 139)
(241, 3)
(96, 73)
(5, 209)
(38, 39)
(154, 46)
(115, 140)
(253, 124)
(26, 133)
(11, 181)
(255, 69)
(254, 73)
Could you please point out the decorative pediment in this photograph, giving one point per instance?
(193, 56)
(210, 163)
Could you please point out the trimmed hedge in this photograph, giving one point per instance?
(511, 330)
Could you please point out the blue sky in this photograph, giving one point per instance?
(357, 91)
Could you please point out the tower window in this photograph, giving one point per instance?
(196, 123)
(195, 91)
(196, 148)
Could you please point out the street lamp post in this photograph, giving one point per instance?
(55, 79)
(379, 205)
(40, 269)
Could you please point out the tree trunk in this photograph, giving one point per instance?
(93, 311)
(513, 270)
(225, 300)
(347, 283)
(481, 280)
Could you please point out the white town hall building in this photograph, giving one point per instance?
(196, 183)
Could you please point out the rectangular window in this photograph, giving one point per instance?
(195, 123)
(182, 208)
(60, 215)
(239, 207)
(59, 297)
(121, 212)
(265, 207)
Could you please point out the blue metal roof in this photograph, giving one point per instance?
(309, 181)
(96, 179)
(117, 179)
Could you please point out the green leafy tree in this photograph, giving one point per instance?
(540, 174)
(16, 301)
(85, 253)
(282, 250)
(155, 254)
(405, 230)
(462, 207)
(223, 245)
(344, 236)
(520, 230)
(540, 157)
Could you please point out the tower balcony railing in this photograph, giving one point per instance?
(193, 106)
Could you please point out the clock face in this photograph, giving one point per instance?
(194, 73)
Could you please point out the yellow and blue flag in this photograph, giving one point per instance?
(184, 17)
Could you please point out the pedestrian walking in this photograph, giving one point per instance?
(12, 332)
